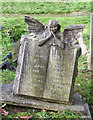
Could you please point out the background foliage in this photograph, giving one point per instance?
(44, 8)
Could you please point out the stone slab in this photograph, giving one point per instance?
(7, 97)
(90, 66)
(46, 72)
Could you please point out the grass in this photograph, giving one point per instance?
(45, 8)
(83, 85)
(41, 114)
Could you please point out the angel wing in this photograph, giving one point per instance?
(71, 32)
(34, 25)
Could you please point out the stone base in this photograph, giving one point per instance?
(7, 97)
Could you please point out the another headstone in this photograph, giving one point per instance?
(47, 62)
(90, 66)
(81, 43)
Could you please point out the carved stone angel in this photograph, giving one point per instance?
(47, 61)
(45, 33)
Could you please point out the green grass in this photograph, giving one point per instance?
(41, 114)
(44, 7)
(8, 76)
(83, 81)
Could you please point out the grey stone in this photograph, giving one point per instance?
(75, 27)
(71, 34)
(9, 98)
(47, 62)
(81, 43)
(16, 47)
(90, 60)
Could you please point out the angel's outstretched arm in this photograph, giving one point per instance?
(44, 40)
(59, 41)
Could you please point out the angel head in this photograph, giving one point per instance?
(53, 25)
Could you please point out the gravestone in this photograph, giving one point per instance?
(90, 66)
(47, 68)
(81, 43)
(47, 62)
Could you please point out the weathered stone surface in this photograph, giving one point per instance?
(32, 78)
(90, 67)
(61, 74)
(75, 27)
(71, 34)
(81, 43)
(16, 50)
(78, 104)
(47, 62)
(46, 75)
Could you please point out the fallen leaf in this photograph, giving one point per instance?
(6, 40)
(51, 112)
(4, 112)
(25, 117)
(86, 70)
(8, 6)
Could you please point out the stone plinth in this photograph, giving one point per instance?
(78, 104)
